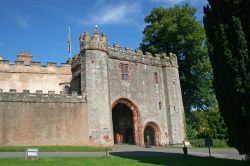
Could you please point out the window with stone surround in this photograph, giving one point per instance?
(124, 71)
(156, 77)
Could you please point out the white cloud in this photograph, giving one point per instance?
(22, 22)
(47, 7)
(115, 14)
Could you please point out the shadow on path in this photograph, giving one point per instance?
(175, 159)
(145, 154)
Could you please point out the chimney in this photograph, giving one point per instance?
(25, 57)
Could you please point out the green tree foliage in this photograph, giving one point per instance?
(206, 123)
(176, 30)
(227, 24)
(191, 132)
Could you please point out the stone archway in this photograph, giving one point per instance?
(152, 131)
(127, 125)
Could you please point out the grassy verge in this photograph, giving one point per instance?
(119, 161)
(53, 148)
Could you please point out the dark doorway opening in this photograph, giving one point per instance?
(123, 125)
(149, 136)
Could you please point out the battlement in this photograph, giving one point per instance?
(40, 97)
(34, 63)
(94, 43)
(138, 56)
(122, 53)
(34, 67)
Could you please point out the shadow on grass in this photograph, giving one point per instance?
(176, 159)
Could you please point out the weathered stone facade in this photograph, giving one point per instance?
(126, 97)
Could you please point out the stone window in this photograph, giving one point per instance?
(124, 71)
(156, 77)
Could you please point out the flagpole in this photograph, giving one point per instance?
(69, 43)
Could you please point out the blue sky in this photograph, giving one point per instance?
(41, 26)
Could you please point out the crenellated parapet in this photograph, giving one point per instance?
(138, 56)
(96, 42)
(34, 67)
(34, 63)
(40, 97)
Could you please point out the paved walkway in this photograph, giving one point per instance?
(132, 150)
(137, 151)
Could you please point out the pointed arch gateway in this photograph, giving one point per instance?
(127, 125)
(152, 131)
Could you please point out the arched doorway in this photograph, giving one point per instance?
(151, 134)
(126, 122)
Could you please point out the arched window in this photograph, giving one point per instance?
(156, 77)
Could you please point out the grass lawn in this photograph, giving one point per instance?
(53, 148)
(117, 161)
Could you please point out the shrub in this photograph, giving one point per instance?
(216, 143)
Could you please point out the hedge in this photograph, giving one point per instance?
(216, 143)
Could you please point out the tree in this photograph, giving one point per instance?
(208, 123)
(227, 25)
(176, 30)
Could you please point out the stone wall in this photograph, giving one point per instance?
(43, 119)
(34, 76)
(157, 103)
(60, 119)
(142, 91)
(173, 100)
(97, 88)
(161, 102)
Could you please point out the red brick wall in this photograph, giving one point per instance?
(43, 123)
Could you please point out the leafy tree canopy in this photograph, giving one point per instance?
(176, 30)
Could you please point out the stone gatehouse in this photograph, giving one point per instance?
(102, 96)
